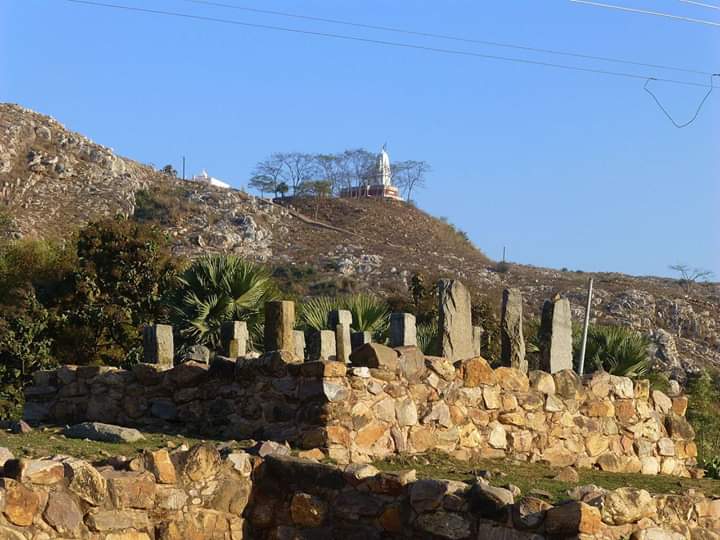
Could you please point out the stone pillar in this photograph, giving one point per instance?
(158, 347)
(322, 346)
(403, 332)
(511, 332)
(358, 339)
(339, 316)
(234, 336)
(477, 338)
(342, 343)
(299, 343)
(279, 325)
(455, 326)
(556, 335)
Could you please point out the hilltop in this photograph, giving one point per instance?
(52, 181)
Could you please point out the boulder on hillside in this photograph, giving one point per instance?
(97, 431)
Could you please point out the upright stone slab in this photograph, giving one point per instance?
(477, 340)
(158, 347)
(358, 339)
(512, 352)
(343, 346)
(455, 325)
(556, 336)
(279, 326)
(339, 316)
(299, 342)
(234, 337)
(322, 346)
(403, 332)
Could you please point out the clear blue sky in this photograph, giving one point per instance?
(566, 169)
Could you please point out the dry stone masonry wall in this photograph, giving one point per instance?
(204, 493)
(387, 401)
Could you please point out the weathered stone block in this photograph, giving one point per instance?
(572, 518)
(234, 336)
(403, 332)
(511, 331)
(455, 324)
(556, 336)
(158, 345)
(374, 355)
(279, 326)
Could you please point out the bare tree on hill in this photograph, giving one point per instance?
(690, 276)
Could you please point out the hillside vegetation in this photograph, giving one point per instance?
(53, 181)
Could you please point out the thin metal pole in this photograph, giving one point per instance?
(183, 176)
(585, 327)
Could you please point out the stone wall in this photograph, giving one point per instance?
(387, 401)
(206, 494)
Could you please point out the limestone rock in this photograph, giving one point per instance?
(511, 331)
(568, 384)
(455, 324)
(201, 462)
(85, 481)
(374, 355)
(542, 382)
(490, 501)
(35, 471)
(5, 455)
(569, 475)
(97, 431)
(445, 525)
(63, 513)
(512, 380)
(529, 513)
(307, 510)
(476, 372)
(21, 503)
(678, 427)
(627, 505)
(556, 336)
(162, 467)
(572, 518)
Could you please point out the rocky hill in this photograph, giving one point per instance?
(53, 180)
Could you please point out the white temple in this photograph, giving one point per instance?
(205, 178)
(380, 181)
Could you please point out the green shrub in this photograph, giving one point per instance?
(123, 268)
(215, 289)
(369, 313)
(24, 349)
(615, 349)
(704, 414)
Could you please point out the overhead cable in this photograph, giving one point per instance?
(664, 110)
(434, 35)
(701, 4)
(646, 12)
(385, 42)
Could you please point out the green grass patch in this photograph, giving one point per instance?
(535, 476)
(45, 442)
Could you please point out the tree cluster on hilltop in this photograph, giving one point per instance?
(299, 173)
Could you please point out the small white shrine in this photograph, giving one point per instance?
(205, 178)
(380, 184)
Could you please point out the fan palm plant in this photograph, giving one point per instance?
(219, 288)
(369, 313)
(618, 350)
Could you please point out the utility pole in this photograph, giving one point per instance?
(183, 167)
(503, 254)
(581, 367)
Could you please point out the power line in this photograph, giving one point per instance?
(701, 4)
(440, 36)
(664, 110)
(646, 12)
(384, 42)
